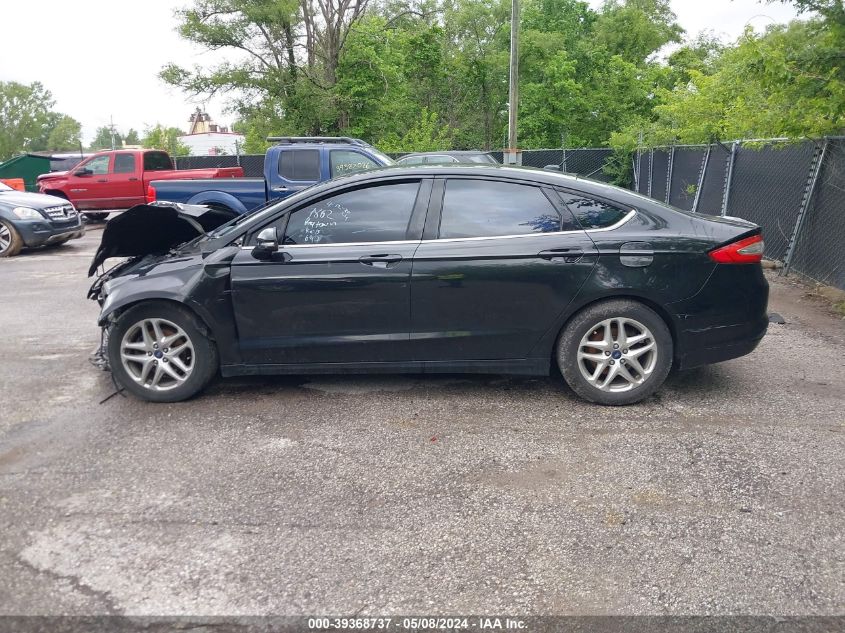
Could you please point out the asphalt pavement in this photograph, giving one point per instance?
(414, 494)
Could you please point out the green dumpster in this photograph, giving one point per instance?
(26, 166)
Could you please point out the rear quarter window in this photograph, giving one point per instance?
(157, 161)
(592, 213)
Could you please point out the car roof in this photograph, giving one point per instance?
(447, 152)
(511, 172)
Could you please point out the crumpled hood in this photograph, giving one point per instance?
(31, 200)
(53, 175)
(154, 229)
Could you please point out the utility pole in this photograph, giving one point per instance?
(512, 155)
(111, 129)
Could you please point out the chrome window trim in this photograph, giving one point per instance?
(624, 220)
(621, 222)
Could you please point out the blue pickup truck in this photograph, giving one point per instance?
(289, 166)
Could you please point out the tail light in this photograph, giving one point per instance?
(151, 194)
(745, 251)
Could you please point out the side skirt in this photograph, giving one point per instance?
(521, 366)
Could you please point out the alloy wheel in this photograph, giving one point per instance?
(617, 354)
(5, 238)
(157, 354)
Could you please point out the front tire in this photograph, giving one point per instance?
(11, 242)
(160, 352)
(96, 217)
(615, 352)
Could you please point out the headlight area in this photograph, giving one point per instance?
(26, 213)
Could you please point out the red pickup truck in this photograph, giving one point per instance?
(118, 179)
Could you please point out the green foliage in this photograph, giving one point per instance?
(65, 135)
(103, 139)
(165, 138)
(786, 82)
(26, 117)
(434, 74)
(132, 137)
(426, 135)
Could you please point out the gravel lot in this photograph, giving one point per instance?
(427, 495)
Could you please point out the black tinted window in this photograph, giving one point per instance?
(374, 214)
(157, 161)
(593, 214)
(124, 163)
(482, 208)
(300, 164)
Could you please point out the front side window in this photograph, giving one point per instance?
(593, 214)
(124, 163)
(300, 165)
(371, 214)
(344, 162)
(98, 166)
(484, 208)
(411, 160)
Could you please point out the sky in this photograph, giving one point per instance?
(101, 58)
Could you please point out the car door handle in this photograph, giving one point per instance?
(280, 189)
(382, 261)
(567, 255)
(133, 180)
(102, 180)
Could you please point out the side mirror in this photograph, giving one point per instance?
(83, 172)
(266, 243)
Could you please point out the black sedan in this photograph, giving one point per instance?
(433, 269)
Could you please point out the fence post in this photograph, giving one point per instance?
(669, 174)
(809, 190)
(650, 170)
(728, 179)
(636, 160)
(702, 171)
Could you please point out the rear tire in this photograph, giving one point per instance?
(161, 352)
(11, 242)
(615, 352)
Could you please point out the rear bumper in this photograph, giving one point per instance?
(726, 319)
(42, 233)
(736, 340)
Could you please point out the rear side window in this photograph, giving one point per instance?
(593, 214)
(300, 165)
(157, 161)
(345, 162)
(124, 163)
(371, 214)
(485, 208)
(411, 160)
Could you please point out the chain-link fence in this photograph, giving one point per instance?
(794, 191)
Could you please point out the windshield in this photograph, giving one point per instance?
(5, 187)
(485, 159)
(387, 160)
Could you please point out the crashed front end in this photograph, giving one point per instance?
(148, 236)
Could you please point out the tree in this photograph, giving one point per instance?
(132, 137)
(65, 135)
(770, 85)
(167, 139)
(426, 135)
(106, 138)
(25, 116)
